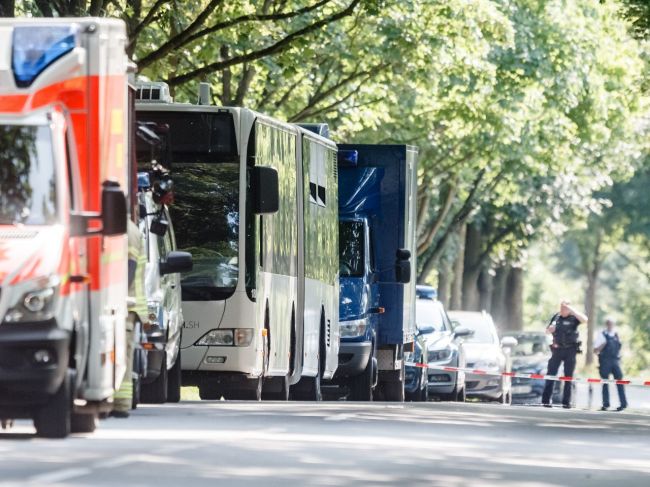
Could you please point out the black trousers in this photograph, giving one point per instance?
(609, 367)
(559, 356)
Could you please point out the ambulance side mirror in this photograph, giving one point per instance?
(114, 217)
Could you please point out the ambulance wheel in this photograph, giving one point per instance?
(54, 419)
(156, 391)
(83, 422)
(174, 381)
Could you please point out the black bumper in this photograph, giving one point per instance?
(353, 358)
(24, 382)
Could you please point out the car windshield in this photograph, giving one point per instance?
(483, 331)
(529, 346)
(351, 249)
(27, 176)
(205, 170)
(427, 315)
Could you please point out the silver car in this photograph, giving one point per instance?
(444, 348)
(483, 351)
(163, 325)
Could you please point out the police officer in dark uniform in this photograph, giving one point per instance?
(607, 345)
(564, 327)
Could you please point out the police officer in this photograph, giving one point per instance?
(608, 347)
(564, 327)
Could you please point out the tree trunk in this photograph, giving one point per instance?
(456, 298)
(485, 289)
(472, 269)
(498, 308)
(444, 282)
(7, 8)
(514, 299)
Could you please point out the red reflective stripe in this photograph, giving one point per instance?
(509, 374)
(422, 366)
(479, 372)
(622, 382)
(536, 376)
(450, 369)
(597, 381)
(565, 378)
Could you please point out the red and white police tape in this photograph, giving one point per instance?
(530, 376)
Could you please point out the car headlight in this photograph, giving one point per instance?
(38, 303)
(487, 365)
(353, 328)
(440, 355)
(228, 337)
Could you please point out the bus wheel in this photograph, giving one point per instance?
(54, 419)
(276, 388)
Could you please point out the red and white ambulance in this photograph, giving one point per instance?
(64, 172)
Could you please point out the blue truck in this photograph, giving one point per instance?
(377, 200)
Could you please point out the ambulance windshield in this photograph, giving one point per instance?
(27, 176)
(201, 149)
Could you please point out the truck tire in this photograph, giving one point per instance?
(83, 422)
(54, 419)
(174, 381)
(361, 386)
(393, 391)
(156, 391)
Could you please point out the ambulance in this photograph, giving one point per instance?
(64, 181)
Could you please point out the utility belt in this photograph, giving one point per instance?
(565, 346)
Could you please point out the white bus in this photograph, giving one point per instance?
(256, 204)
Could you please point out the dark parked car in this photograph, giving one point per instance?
(530, 356)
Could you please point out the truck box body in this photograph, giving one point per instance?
(381, 186)
(377, 190)
(63, 90)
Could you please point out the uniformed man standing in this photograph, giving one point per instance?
(564, 327)
(608, 347)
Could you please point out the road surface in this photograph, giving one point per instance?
(339, 444)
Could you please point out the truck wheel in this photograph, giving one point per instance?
(54, 419)
(83, 422)
(156, 391)
(174, 381)
(393, 391)
(361, 386)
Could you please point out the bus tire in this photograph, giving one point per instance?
(156, 391)
(174, 381)
(54, 419)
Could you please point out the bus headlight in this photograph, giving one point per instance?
(228, 337)
(353, 328)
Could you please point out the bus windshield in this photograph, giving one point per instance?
(27, 176)
(204, 165)
(351, 249)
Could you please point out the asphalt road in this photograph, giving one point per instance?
(339, 444)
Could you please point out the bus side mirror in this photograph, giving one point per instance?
(265, 190)
(403, 266)
(113, 209)
(175, 262)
